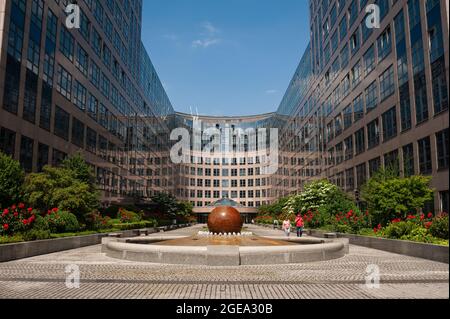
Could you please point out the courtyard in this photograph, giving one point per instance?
(103, 277)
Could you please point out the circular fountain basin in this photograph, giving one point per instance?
(224, 250)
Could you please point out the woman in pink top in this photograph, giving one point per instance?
(287, 227)
(299, 223)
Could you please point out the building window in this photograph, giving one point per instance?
(369, 60)
(30, 97)
(358, 108)
(64, 85)
(66, 43)
(93, 107)
(349, 179)
(421, 98)
(387, 87)
(12, 82)
(371, 96)
(77, 132)
(408, 160)
(91, 140)
(425, 163)
(443, 146)
(61, 123)
(355, 42)
(391, 160)
(373, 134)
(374, 166)
(348, 118)
(79, 96)
(348, 147)
(337, 125)
(58, 157)
(42, 158)
(94, 74)
(389, 124)
(339, 153)
(360, 142)
(440, 93)
(384, 44)
(82, 60)
(26, 153)
(344, 56)
(444, 201)
(7, 141)
(405, 107)
(361, 175)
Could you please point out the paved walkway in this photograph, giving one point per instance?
(104, 277)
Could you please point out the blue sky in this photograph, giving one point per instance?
(225, 57)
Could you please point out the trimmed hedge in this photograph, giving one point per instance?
(138, 225)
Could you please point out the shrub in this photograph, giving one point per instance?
(316, 195)
(11, 180)
(352, 221)
(68, 187)
(400, 230)
(36, 234)
(315, 219)
(16, 219)
(62, 222)
(95, 221)
(439, 226)
(111, 211)
(387, 195)
(127, 216)
(138, 225)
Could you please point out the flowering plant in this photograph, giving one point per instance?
(17, 218)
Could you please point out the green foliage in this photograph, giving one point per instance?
(386, 195)
(274, 209)
(37, 234)
(62, 222)
(80, 169)
(316, 195)
(127, 216)
(400, 230)
(165, 204)
(439, 227)
(18, 238)
(11, 181)
(95, 221)
(138, 225)
(68, 187)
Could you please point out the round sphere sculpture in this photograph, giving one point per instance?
(225, 219)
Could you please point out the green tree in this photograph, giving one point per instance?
(389, 196)
(319, 195)
(11, 180)
(165, 204)
(68, 187)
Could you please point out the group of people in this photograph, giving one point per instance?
(299, 224)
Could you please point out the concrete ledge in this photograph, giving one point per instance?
(403, 247)
(9, 252)
(14, 251)
(137, 249)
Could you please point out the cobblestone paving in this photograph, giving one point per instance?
(104, 277)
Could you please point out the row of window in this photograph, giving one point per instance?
(346, 150)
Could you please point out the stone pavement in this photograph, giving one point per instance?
(104, 277)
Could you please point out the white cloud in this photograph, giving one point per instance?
(208, 37)
(272, 91)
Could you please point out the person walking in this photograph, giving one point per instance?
(287, 227)
(300, 224)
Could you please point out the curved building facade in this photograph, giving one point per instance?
(362, 98)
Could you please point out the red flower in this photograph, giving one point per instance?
(16, 214)
(21, 205)
(375, 230)
(430, 215)
(428, 225)
(13, 207)
(5, 212)
(25, 221)
(30, 209)
(5, 227)
(55, 210)
(422, 217)
(411, 217)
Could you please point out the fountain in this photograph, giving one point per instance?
(224, 244)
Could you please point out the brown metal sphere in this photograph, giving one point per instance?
(225, 219)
